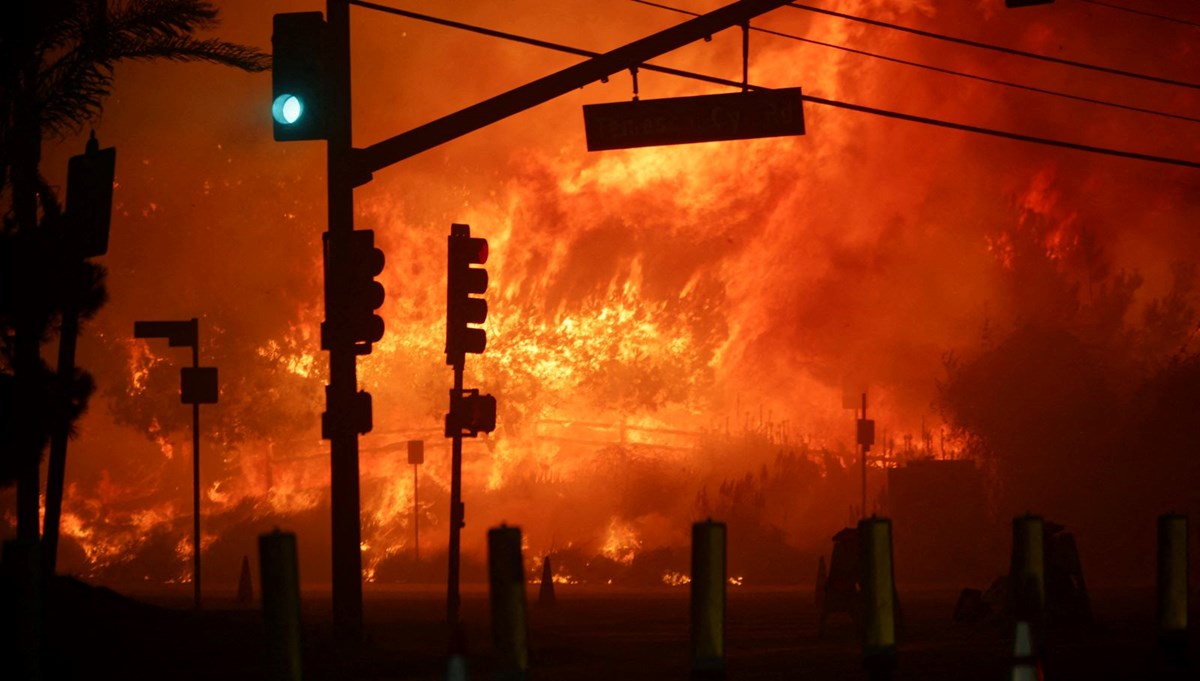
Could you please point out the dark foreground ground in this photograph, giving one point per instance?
(592, 633)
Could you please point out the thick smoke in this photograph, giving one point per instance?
(709, 289)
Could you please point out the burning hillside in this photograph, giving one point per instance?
(671, 329)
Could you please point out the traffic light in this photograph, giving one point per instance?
(354, 412)
(352, 294)
(89, 197)
(463, 280)
(470, 412)
(364, 295)
(298, 77)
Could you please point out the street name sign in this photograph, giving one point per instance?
(686, 120)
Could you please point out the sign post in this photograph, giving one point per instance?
(865, 438)
(198, 385)
(416, 456)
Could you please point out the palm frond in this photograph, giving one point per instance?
(61, 26)
(162, 18)
(72, 91)
(185, 48)
(73, 87)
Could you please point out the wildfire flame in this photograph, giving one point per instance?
(662, 321)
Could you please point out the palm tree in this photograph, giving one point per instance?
(56, 69)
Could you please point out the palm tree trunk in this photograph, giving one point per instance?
(57, 469)
(26, 150)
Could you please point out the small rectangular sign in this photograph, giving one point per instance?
(686, 120)
(416, 452)
(866, 432)
(198, 385)
(178, 334)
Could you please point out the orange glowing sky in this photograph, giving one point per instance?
(675, 288)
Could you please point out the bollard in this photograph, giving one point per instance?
(877, 577)
(708, 600)
(280, 590)
(506, 579)
(1172, 581)
(546, 592)
(1027, 574)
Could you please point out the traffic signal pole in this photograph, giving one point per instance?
(348, 168)
(474, 414)
(343, 438)
(56, 468)
(453, 600)
(89, 214)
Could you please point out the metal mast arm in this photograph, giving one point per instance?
(407, 144)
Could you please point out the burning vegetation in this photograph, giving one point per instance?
(671, 330)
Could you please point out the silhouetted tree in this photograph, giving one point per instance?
(1038, 407)
(56, 69)
(1080, 401)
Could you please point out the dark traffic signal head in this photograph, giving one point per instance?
(353, 412)
(364, 295)
(352, 295)
(89, 198)
(298, 77)
(472, 413)
(463, 281)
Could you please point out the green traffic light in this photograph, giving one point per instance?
(287, 109)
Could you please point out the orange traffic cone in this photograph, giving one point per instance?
(1026, 665)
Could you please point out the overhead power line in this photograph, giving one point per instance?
(996, 48)
(1002, 133)
(545, 44)
(1144, 13)
(512, 37)
(938, 69)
